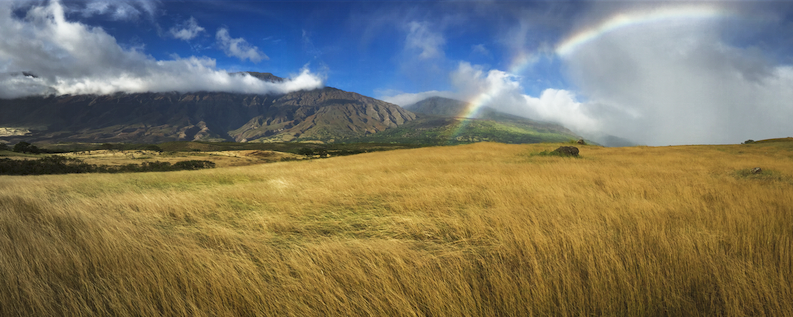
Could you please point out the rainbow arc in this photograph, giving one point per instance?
(579, 39)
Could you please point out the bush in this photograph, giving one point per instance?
(153, 148)
(193, 165)
(305, 151)
(748, 141)
(564, 151)
(46, 165)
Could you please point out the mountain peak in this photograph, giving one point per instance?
(439, 106)
(264, 76)
(319, 114)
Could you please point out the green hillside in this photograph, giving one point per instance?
(438, 122)
(440, 130)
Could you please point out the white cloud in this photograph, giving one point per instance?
(502, 91)
(187, 30)
(480, 49)
(405, 99)
(120, 9)
(73, 58)
(238, 47)
(420, 39)
(679, 82)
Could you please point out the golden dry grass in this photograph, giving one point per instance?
(474, 230)
(220, 158)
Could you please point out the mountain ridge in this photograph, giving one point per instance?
(438, 121)
(326, 115)
(211, 116)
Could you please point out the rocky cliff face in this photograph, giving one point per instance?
(322, 114)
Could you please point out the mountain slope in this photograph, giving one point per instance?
(439, 106)
(324, 114)
(439, 121)
(321, 114)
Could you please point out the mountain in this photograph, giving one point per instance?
(439, 106)
(446, 107)
(439, 121)
(323, 114)
(611, 141)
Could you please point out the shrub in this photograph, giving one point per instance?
(62, 165)
(153, 147)
(305, 151)
(46, 165)
(560, 152)
(193, 165)
(750, 141)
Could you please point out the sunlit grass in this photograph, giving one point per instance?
(482, 229)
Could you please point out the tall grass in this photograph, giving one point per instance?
(474, 230)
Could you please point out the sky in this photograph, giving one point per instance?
(653, 72)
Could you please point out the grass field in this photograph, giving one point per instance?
(473, 230)
(221, 158)
(123, 157)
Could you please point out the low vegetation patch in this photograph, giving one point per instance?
(763, 174)
(63, 165)
(564, 151)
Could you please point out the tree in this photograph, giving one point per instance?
(25, 147)
(4, 147)
(153, 147)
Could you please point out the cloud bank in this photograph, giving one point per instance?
(681, 78)
(681, 82)
(72, 58)
(502, 91)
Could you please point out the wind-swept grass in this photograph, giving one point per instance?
(474, 230)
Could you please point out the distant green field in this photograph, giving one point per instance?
(788, 139)
(444, 130)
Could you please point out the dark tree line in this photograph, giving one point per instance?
(63, 165)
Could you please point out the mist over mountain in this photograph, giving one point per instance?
(447, 107)
(323, 114)
(441, 120)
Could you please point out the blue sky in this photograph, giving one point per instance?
(359, 46)
(658, 73)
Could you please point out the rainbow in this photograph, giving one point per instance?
(519, 63)
(578, 39)
(622, 20)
